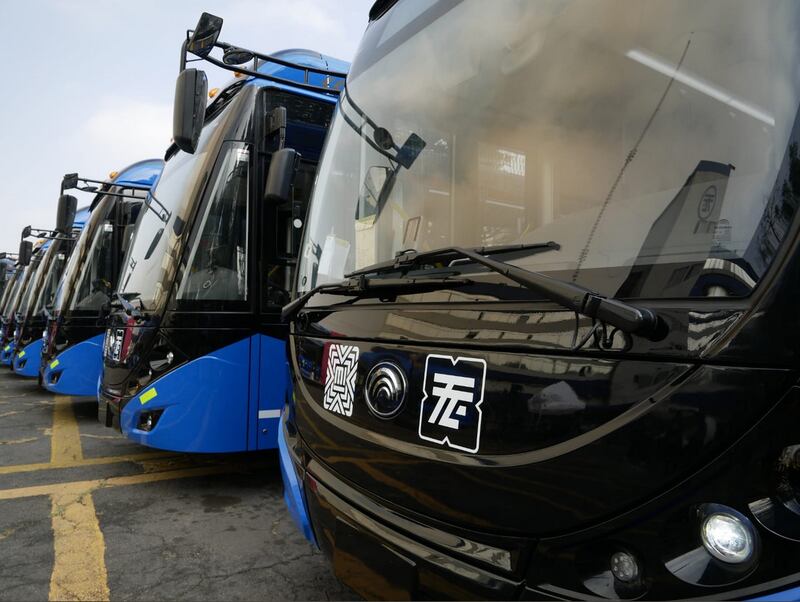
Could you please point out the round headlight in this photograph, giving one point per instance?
(727, 538)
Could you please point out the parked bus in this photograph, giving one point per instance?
(27, 265)
(8, 295)
(545, 347)
(37, 303)
(194, 357)
(7, 271)
(72, 355)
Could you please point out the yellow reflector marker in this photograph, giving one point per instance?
(22, 353)
(54, 364)
(7, 347)
(147, 395)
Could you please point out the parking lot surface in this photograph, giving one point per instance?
(86, 515)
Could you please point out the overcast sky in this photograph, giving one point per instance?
(87, 85)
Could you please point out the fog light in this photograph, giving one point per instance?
(727, 538)
(624, 567)
(148, 420)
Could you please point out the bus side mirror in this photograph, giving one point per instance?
(25, 252)
(282, 169)
(65, 214)
(189, 110)
(205, 35)
(26, 232)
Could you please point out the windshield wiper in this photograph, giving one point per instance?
(410, 258)
(624, 316)
(378, 287)
(404, 261)
(127, 306)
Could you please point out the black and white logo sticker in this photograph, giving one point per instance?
(340, 379)
(450, 413)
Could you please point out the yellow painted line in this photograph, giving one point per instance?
(79, 568)
(65, 443)
(148, 395)
(15, 468)
(80, 487)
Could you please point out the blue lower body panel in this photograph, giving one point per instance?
(293, 494)
(27, 361)
(227, 401)
(6, 354)
(787, 595)
(201, 406)
(76, 370)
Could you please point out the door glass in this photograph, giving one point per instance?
(217, 266)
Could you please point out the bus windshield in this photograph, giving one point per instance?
(25, 289)
(151, 262)
(10, 299)
(47, 290)
(654, 142)
(80, 254)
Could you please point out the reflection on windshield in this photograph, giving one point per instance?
(43, 283)
(152, 260)
(12, 295)
(217, 268)
(27, 287)
(47, 293)
(646, 138)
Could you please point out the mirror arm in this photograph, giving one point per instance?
(183, 51)
(47, 234)
(162, 212)
(88, 188)
(280, 80)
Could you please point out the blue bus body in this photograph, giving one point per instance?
(30, 319)
(72, 361)
(227, 379)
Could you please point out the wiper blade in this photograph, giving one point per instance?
(405, 260)
(624, 316)
(363, 286)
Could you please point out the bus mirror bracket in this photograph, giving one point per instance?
(282, 170)
(277, 126)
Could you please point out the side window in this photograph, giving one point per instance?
(217, 266)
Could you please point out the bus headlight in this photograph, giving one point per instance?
(727, 538)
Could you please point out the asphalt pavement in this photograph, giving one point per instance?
(86, 514)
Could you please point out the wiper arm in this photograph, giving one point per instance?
(405, 260)
(624, 316)
(363, 286)
(127, 306)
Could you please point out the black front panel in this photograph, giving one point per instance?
(558, 442)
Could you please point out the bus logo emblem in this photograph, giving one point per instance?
(340, 379)
(450, 413)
